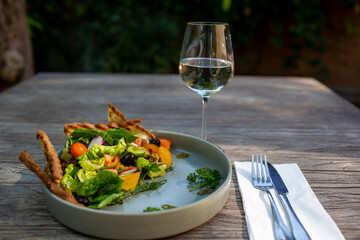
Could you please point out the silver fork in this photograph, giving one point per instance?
(263, 182)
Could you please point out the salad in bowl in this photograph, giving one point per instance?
(103, 164)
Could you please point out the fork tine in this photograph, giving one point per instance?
(257, 168)
(266, 169)
(262, 169)
(252, 167)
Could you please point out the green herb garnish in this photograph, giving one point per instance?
(145, 187)
(155, 209)
(152, 209)
(204, 177)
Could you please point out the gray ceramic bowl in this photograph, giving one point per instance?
(128, 221)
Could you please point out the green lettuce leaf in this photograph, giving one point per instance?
(98, 151)
(156, 171)
(83, 175)
(142, 163)
(105, 182)
(138, 151)
(148, 169)
(104, 200)
(69, 182)
(89, 165)
(84, 136)
(93, 159)
(113, 136)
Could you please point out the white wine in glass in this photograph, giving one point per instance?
(206, 60)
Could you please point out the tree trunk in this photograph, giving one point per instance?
(16, 56)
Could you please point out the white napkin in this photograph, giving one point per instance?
(307, 207)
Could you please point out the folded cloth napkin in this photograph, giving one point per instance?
(307, 207)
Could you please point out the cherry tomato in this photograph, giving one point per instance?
(78, 149)
(166, 143)
(138, 142)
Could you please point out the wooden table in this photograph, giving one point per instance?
(290, 119)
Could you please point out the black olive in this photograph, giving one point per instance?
(83, 200)
(128, 159)
(155, 141)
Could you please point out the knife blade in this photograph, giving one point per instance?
(277, 180)
(279, 185)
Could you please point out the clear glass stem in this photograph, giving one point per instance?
(205, 101)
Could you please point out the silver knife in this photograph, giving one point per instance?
(298, 229)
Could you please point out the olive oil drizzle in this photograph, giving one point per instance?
(183, 155)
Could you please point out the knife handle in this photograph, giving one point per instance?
(277, 217)
(298, 229)
(278, 232)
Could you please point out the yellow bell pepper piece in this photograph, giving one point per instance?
(165, 156)
(130, 181)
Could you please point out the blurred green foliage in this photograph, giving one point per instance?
(145, 36)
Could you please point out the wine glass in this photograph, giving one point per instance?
(206, 60)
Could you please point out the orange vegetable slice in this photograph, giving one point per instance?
(165, 156)
(166, 143)
(130, 181)
(152, 148)
(111, 161)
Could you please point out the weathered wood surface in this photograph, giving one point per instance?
(290, 119)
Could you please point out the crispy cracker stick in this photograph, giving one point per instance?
(70, 127)
(55, 188)
(51, 156)
(115, 116)
(32, 166)
(61, 193)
